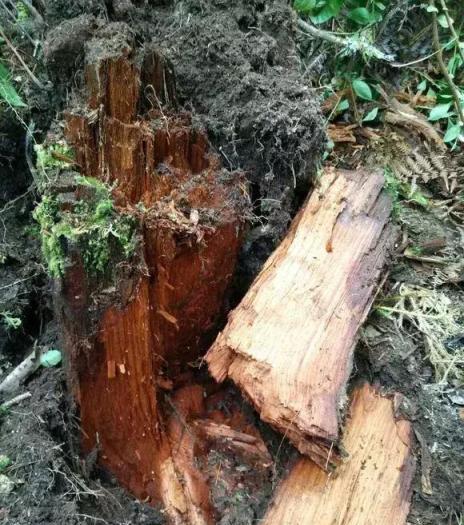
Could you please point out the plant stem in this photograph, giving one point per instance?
(14, 401)
(333, 38)
(19, 57)
(441, 63)
(452, 29)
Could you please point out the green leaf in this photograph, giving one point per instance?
(5, 462)
(452, 133)
(330, 9)
(50, 358)
(432, 9)
(324, 15)
(361, 16)
(443, 21)
(362, 89)
(343, 105)
(440, 111)
(372, 115)
(304, 6)
(419, 198)
(8, 92)
(422, 86)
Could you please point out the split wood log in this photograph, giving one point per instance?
(129, 341)
(289, 344)
(372, 486)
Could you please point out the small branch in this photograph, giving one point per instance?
(441, 63)
(16, 400)
(33, 11)
(19, 57)
(20, 373)
(349, 43)
(356, 45)
(319, 33)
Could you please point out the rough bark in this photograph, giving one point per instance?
(372, 486)
(130, 345)
(289, 343)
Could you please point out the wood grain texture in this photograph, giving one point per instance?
(373, 487)
(289, 343)
(130, 334)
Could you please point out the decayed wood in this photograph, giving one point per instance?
(373, 486)
(231, 439)
(126, 373)
(289, 343)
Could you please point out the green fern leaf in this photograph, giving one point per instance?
(8, 92)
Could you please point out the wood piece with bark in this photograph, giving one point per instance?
(373, 485)
(289, 344)
(131, 335)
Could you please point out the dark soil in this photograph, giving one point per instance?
(238, 71)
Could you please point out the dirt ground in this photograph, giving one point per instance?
(238, 71)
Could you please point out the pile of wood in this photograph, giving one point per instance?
(145, 409)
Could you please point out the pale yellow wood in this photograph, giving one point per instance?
(372, 487)
(289, 343)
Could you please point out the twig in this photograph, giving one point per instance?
(18, 281)
(14, 401)
(9, 204)
(452, 28)
(360, 46)
(20, 373)
(19, 57)
(350, 43)
(441, 63)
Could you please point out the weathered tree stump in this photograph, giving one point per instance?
(130, 343)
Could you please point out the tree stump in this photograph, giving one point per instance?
(131, 335)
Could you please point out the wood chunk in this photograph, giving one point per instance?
(289, 343)
(372, 487)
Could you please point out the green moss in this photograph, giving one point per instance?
(402, 191)
(22, 12)
(93, 225)
(50, 156)
(10, 322)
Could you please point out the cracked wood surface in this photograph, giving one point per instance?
(289, 344)
(372, 487)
